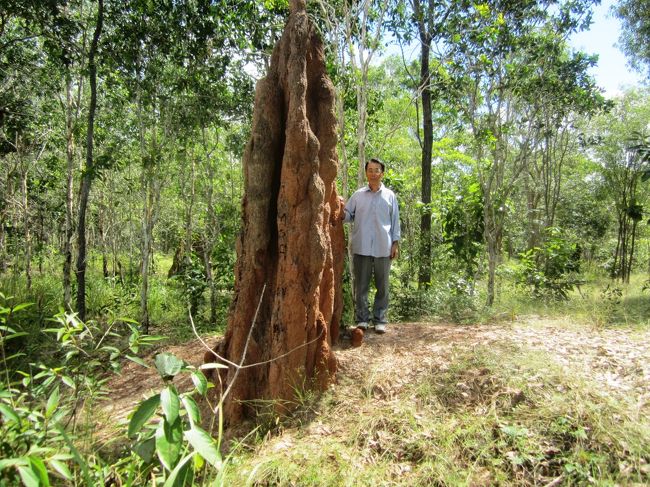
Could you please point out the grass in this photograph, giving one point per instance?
(599, 302)
(495, 416)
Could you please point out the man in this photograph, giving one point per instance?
(375, 242)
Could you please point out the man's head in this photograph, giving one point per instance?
(377, 162)
(374, 173)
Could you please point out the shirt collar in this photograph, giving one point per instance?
(381, 186)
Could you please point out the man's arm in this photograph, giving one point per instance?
(394, 250)
(395, 230)
(347, 215)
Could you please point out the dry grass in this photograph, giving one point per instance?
(524, 403)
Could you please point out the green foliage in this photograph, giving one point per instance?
(193, 282)
(175, 436)
(634, 29)
(459, 299)
(462, 226)
(551, 270)
(40, 405)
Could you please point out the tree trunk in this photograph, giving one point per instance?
(86, 180)
(626, 279)
(3, 245)
(68, 232)
(424, 278)
(27, 244)
(212, 230)
(288, 273)
(150, 197)
(101, 229)
(493, 259)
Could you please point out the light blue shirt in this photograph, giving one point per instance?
(376, 221)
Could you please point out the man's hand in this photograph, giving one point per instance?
(394, 250)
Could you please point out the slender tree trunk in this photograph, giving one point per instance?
(631, 257)
(150, 189)
(190, 197)
(365, 51)
(424, 278)
(6, 194)
(69, 197)
(212, 231)
(3, 244)
(27, 226)
(189, 229)
(614, 272)
(86, 180)
(101, 228)
(493, 259)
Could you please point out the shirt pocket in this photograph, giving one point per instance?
(384, 208)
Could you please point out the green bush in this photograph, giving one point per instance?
(40, 404)
(551, 270)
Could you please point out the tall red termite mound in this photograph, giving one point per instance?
(291, 249)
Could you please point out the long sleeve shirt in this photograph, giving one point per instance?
(376, 221)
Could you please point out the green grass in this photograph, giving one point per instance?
(599, 302)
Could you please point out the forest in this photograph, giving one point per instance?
(523, 194)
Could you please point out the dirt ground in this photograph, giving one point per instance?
(616, 360)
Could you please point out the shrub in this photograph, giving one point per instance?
(551, 270)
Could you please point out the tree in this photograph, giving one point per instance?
(499, 57)
(33, 49)
(558, 97)
(90, 165)
(430, 18)
(620, 151)
(635, 31)
(181, 65)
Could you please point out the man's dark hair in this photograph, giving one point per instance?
(383, 167)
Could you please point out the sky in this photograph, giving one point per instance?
(612, 73)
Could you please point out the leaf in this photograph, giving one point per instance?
(38, 467)
(205, 445)
(52, 402)
(28, 476)
(61, 468)
(20, 306)
(170, 403)
(168, 365)
(213, 365)
(142, 414)
(199, 462)
(192, 409)
(15, 335)
(137, 360)
(15, 355)
(169, 440)
(9, 413)
(146, 449)
(177, 477)
(200, 382)
(13, 462)
(68, 381)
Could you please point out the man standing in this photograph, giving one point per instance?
(375, 242)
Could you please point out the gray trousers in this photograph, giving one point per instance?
(364, 268)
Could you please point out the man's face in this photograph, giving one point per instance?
(374, 173)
